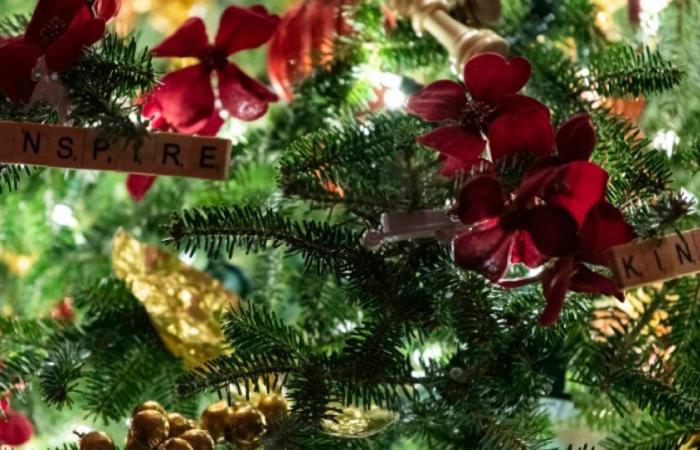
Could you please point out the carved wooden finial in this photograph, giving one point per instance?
(461, 41)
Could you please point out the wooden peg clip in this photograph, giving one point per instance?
(461, 41)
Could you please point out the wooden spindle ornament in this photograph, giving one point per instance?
(461, 41)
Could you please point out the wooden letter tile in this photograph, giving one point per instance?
(172, 154)
(685, 256)
(628, 262)
(8, 141)
(139, 155)
(66, 146)
(100, 153)
(209, 158)
(33, 144)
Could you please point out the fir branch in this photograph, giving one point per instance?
(10, 175)
(650, 434)
(621, 71)
(251, 330)
(60, 372)
(322, 246)
(14, 25)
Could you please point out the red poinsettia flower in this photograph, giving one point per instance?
(59, 31)
(502, 229)
(187, 96)
(15, 429)
(138, 185)
(604, 228)
(557, 176)
(487, 105)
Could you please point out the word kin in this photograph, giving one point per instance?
(656, 260)
(80, 148)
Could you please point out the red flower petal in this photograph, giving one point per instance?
(187, 98)
(69, 47)
(581, 186)
(526, 132)
(542, 174)
(16, 78)
(553, 230)
(441, 100)
(243, 28)
(481, 198)
(17, 430)
(525, 251)
(4, 404)
(555, 284)
(189, 40)
(60, 11)
(107, 9)
(212, 126)
(139, 185)
(589, 282)
(484, 251)
(242, 96)
(604, 227)
(454, 141)
(450, 166)
(576, 138)
(515, 104)
(490, 77)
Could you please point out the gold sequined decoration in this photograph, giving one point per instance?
(183, 303)
(355, 422)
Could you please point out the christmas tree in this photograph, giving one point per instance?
(405, 241)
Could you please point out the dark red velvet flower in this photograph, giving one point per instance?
(15, 430)
(504, 228)
(138, 185)
(566, 178)
(487, 105)
(59, 31)
(187, 96)
(603, 228)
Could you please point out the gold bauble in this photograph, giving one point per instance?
(354, 422)
(179, 424)
(183, 303)
(96, 440)
(215, 419)
(246, 425)
(198, 439)
(147, 406)
(149, 428)
(274, 407)
(175, 444)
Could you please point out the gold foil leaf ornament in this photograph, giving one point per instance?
(184, 304)
(353, 422)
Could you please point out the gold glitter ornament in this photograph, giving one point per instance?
(358, 423)
(274, 407)
(215, 419)
(175, 444)
(179, 424)
(96, 440)
(149, 429)
(246, 425)
(198, 439)
(184, 304)
(149, 405)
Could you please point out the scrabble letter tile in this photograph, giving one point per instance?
(33, 144)
(66, 147)
(9, 133)
(629, 265)
(209, 158)
(172, 151)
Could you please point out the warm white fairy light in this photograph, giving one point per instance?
(62, 215)
(394, 99)
(666, 140)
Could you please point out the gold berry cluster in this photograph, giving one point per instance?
(153, 428)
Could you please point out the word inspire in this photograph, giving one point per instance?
(80, 148)
(655, 260)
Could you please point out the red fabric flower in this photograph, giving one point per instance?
(138, 185)
(59, 31)
(187, 96)
(567, 179)
(16, 429)
(502, 229)
(486, 105)
(603, 228)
